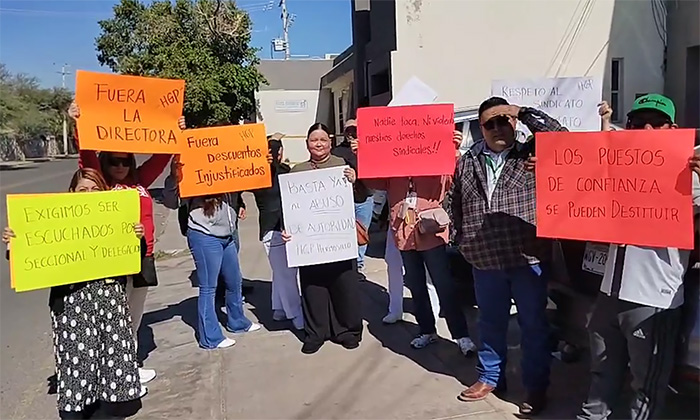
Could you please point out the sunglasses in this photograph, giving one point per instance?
(500, 121)
(656, 121)
(117, 161)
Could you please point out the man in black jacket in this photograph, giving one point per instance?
(364, 202)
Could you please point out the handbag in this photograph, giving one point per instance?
(433, 221)
(362, 234)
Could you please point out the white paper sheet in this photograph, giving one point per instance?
(319, 214)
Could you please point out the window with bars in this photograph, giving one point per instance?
(341, 117)
(616, 89)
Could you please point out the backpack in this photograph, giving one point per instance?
(183, 215)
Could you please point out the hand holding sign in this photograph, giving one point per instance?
(7, 234)
(694, 163)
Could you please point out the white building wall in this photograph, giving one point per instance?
(281, 111)
(458, 47)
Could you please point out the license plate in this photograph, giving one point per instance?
(594, 258)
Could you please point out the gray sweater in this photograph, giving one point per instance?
(222, 224)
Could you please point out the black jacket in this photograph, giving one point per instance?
(360, 191)
(269, 202)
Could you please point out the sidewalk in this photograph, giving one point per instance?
(265, 376)
(9, 165)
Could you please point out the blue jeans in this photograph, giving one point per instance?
(528, 287)
(363, 213)
(214, 256)
(438, 265)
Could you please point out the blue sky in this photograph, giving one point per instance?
(35, 34)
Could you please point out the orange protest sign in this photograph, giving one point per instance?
(128, 113)
(224, 159)
(401, 141)
(625, 187)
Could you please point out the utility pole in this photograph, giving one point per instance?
(63, 74)
(287, 20)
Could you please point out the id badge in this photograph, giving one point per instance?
(411, 200)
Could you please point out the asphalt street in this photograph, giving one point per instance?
(25, 334)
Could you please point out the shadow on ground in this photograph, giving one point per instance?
(185, 310)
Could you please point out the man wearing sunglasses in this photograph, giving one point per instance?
(494, 217)
(637, 315)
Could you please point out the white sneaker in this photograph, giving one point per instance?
(278, 315)
(423, 340)
(253, 327)
(146, 375)
(228, 342)
(144, 391)
(466, 345)
(392, 318)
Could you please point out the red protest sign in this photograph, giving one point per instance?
(626, 187)
(402, 141)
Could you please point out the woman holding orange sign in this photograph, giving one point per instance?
(211, 235)
(94, 345)
(120, 172)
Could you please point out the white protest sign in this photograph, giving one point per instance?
(414, 92)
(319, 214)
(573, 101)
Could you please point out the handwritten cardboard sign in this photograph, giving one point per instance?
(573, 101)
(625, 187)
(72, 237)
(224, 159)
(129, 113)
(319, 213)
(402, 141)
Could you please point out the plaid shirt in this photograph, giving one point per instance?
(501, 234)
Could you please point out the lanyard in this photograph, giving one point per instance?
(492, 165)
(411, 187)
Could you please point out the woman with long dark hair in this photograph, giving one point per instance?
(211, 228)
(94, 345)
(121, 172)
(330, 293)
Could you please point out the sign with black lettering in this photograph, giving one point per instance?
(224, 159)
(624, 187)
(72, 237)
(319, 214)
(413, 140)
(573, 101)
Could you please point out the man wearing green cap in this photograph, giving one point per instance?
(637, 314)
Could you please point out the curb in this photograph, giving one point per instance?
(170, 254)
(9, 166)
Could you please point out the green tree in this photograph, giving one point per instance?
(29, 112)
(204, 42)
